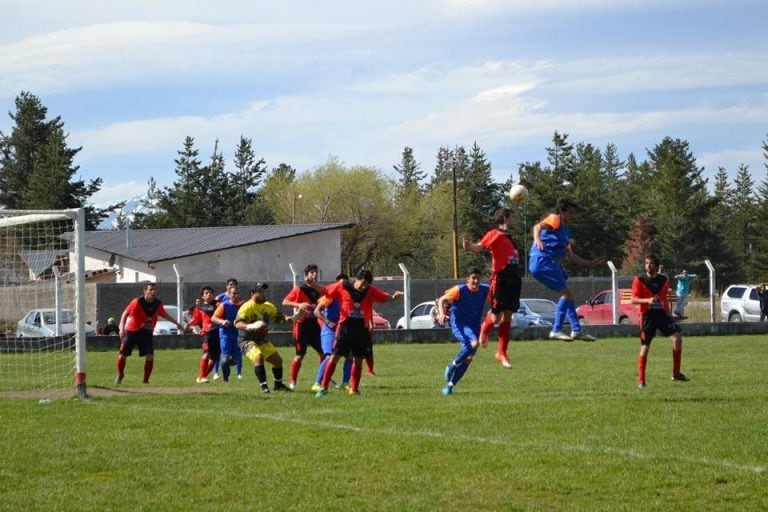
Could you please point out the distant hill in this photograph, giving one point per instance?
(132, 206)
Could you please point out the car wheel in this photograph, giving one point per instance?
(735, 317)
(623, 320)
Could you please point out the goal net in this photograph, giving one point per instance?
(42, 307)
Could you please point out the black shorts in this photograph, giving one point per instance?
(143, 338)
(505, 289)
(309, 336)
(211, 344)
(353, 339)
(656, 320)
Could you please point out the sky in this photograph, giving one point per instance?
(359, 81)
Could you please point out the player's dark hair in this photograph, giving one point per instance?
(365, 275)
(148, 284)
(202, 290)
(565, 204)
(501, 214)
(309, 268)
(653, 258)
(231, 281)
(473, 270)
(342, 276)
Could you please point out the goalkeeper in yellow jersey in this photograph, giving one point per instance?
(253, 320)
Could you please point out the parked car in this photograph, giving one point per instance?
(535, 312)
(422, 316)
(599, 310)
(379, 322)
(40, 323)
(164, 327)
(740, 303)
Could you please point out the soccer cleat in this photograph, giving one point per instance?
(321, 393)
(292, 385)
(559, 335)
(239, 376)
(680, 377)
(351, 391)
(265, 389)
(215, 376)
(581, 335)
(370, 373)
(202, 380)
(642, 385)
(316, 387)
(504, 360)
(119, 379)
(279, 386)
(448, 390)
(449, 371)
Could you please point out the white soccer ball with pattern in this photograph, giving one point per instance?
(518, 194)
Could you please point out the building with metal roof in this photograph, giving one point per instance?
(214, 254)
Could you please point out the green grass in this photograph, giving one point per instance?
(566, 429)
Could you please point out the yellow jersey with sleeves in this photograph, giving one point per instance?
(250, 311)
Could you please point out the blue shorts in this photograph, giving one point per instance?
(548, 272)
(327, 337)
(464, 334)
(229, 348)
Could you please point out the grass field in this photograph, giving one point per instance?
(566, 429)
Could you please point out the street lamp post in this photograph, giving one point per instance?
(455, 230)
(293, 214)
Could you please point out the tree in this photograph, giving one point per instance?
(409, 171)
(181, 202)
(245, 204)
(37, 167)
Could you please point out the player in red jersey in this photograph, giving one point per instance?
(201, 320)
(649, 291)
(506, 280)
(136, 325)
(306, 330)
(353, 336)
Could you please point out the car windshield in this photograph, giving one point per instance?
(542, 307)
(67, 317)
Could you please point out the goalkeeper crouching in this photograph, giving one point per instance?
(253, 320)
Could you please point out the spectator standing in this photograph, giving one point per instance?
(762, 294)
(111, 327)
(682, 290)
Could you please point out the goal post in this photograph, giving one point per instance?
(42, 303)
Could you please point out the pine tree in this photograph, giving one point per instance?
(409, 171)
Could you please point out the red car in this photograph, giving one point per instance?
(599, 310)
(379, 322)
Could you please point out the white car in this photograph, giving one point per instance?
(164, 327)
(41, 323)
(421, 317)
(740, 303)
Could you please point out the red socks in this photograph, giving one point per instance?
(120, 367)
(487, 325)
(504, 328)
(677, 356)
(295, 367)
(642, 361)
(330, 367)
(203, 367)
(148, 365)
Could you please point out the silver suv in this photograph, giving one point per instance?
(740, 303)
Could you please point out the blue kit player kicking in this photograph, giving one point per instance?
(467, 302)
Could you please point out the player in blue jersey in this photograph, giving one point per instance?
(224, 297)
(552, 241)
(327, 313)
(224, 316)
(467, 302)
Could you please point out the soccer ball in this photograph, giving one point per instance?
(518, 194)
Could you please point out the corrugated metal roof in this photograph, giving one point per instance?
(151, 245)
